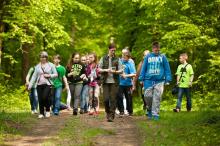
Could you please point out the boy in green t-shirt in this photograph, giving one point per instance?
(185, 76)
(58, 83)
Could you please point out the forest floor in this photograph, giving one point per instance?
(176, 129)
(68, 130)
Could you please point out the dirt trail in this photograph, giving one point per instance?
(123, 131)
(42, 131)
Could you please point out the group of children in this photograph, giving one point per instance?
(83, 76)
(47, 80)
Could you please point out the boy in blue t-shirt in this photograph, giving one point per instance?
(126, 83)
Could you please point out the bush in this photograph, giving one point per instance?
(13, 99)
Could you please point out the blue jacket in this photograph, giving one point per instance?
(155, 69)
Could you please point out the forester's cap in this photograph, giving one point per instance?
(43, 54)
(111, 46)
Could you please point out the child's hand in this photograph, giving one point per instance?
(167, 83)
(190, 84)
(123, 76)
(47, 75)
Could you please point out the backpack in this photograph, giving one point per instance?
(32, 73)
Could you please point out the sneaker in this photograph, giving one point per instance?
(40, 116)
(156, 117)
(56, 112)
(75, 112)
(176, 110)
(110, 119)
(69, 108)
(35, 111)
(32, 112)
(91, 112)
(117, 112)
(47, 115)
(149, 114)
(81, 111)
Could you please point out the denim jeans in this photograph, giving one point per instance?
(84, 98)
(57, 98)
(33, 99)
(185, 91)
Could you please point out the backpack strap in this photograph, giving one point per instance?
(182, 71)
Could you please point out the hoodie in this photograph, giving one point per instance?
(155, 69)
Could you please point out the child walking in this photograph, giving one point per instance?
(33, 92)
(75, 75)
(84, 101)
(126, 83)
(58, 84)
(154, 74)
(44, 72)
(92, 72)
(185, 77)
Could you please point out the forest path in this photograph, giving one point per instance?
(122, 132)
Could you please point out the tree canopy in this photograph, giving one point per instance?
(66, 26)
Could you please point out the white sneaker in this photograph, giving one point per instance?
(35, 111)
(117, 112)
(32, 112)
(40, 116)
(47, 115)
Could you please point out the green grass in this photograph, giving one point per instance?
(12, 124)
(201, 127)
(182, 129)
(14, 112)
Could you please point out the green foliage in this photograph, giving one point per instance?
(67, 26)
(178, 129)
(13, 100)
(14, 111)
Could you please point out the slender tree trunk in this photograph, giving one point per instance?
(1, 42)
(26, 49)
(2, 4)
(25, 60)
(73, 31)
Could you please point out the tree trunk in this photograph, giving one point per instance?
(25, 60)
(1, 42)
(2, 3)
(73, 31)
